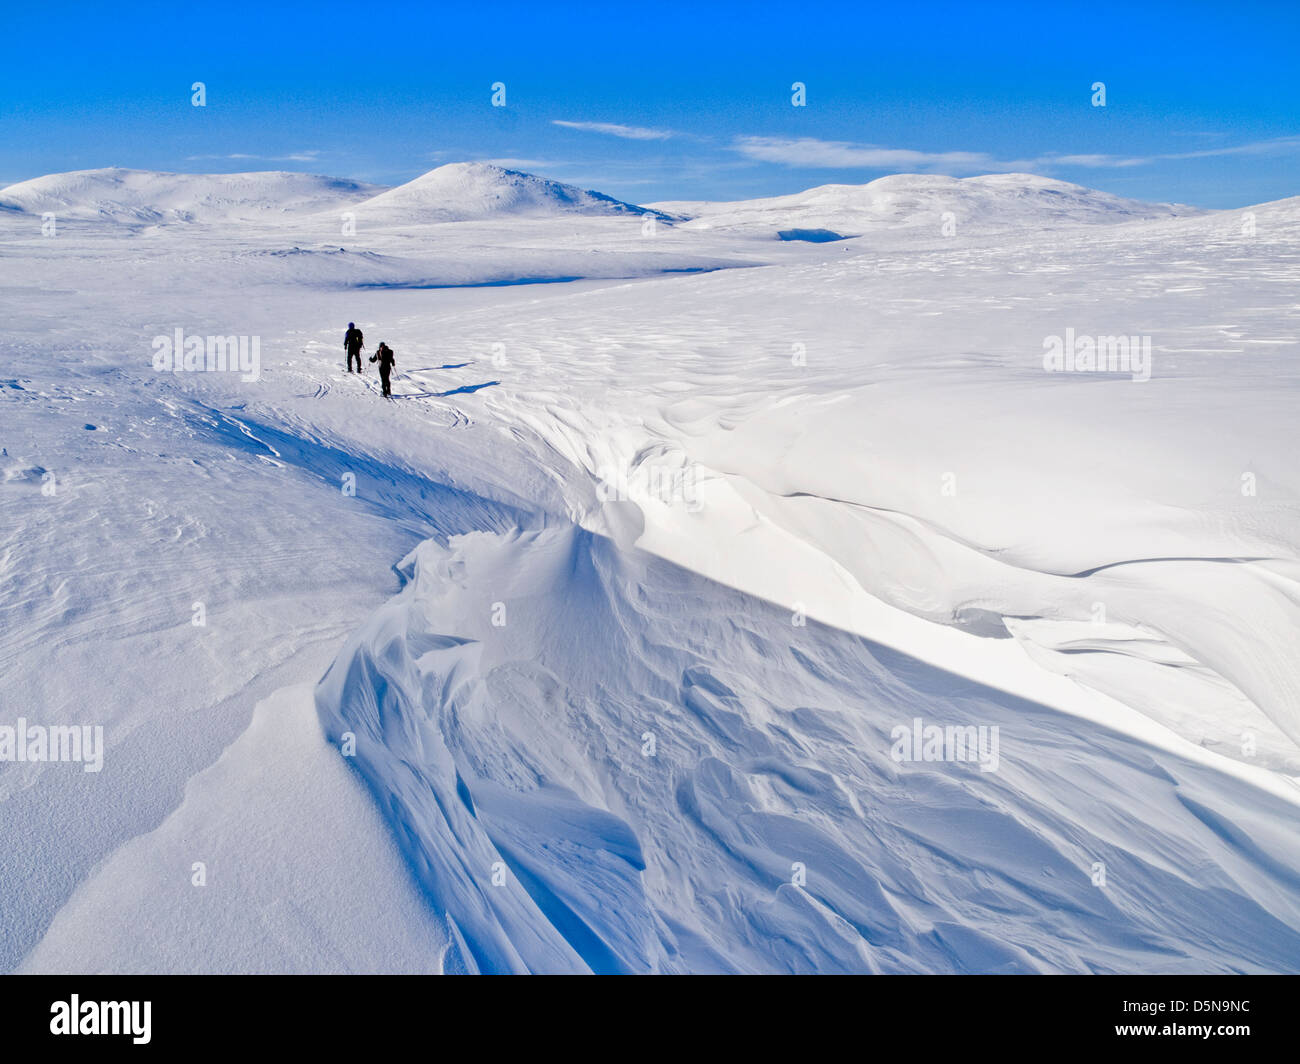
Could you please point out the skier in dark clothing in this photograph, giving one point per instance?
(387, 360)
(353, 342)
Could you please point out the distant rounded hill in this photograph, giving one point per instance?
(899, 201)
(467, 192)
(453, 193)
(461, 192)
(149, 197)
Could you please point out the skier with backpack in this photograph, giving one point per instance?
(384, 355)
(353, 342)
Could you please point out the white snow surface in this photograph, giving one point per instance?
(622, 595)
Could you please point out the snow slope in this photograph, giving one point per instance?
(308, 922)
(677, 552)
(526, 745)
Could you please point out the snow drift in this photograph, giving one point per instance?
(637, 770)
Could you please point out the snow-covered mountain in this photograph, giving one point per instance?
(987, 203)
(481, 191)
(461, 192)
(150, 197)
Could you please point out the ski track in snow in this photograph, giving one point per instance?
(769, 830)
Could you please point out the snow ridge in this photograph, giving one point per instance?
(580, 788)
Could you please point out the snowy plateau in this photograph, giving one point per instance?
(900, 577)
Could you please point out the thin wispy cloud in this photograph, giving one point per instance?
(614, 129)
(838, 154)
(1094, 160)
(296, 157)
(1275, 146)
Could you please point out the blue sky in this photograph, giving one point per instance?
(669, 100)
